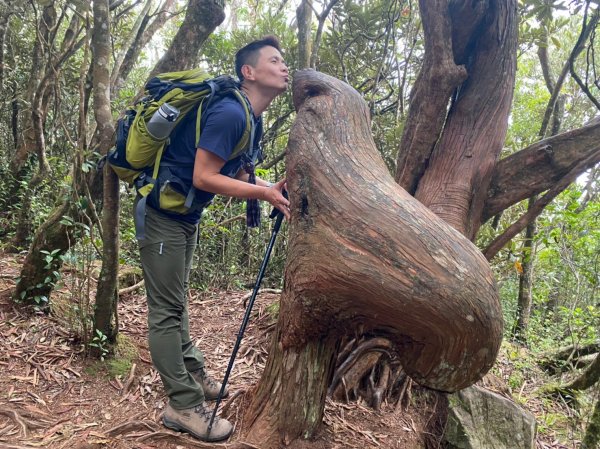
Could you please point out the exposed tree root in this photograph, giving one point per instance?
(24, 424)
(153, 432)
(569, 357)
(347, 360)
(189, 442)
(131, 288)
(405, 392)
(132, 426)
(367, 369)
(247, 296)
(229, 403)
(380, 388)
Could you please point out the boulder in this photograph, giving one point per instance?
(481, 419)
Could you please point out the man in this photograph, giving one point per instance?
(167, 249)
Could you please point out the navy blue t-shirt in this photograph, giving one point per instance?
(223, 125)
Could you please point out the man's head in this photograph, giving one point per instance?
(260, 61)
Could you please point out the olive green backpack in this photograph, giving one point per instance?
(137, 152)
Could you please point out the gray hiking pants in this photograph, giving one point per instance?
(166, 256)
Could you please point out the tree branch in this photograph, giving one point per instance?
(540, 166)
(321, 17)
(144, 35)
(438, 78)
(535, 210)
(131, 40)
(585, 33)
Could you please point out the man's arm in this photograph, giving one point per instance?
(207, 176)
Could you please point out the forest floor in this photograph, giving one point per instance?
(52, 396)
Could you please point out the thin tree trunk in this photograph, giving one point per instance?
(591, 439)
(39, 107)
(317, 44)
(26, 139)
(106, 294)
(5, 13)
(201, 19)
(304, 20)
(524, 300)
(135, 34)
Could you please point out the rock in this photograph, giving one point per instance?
(480, 419)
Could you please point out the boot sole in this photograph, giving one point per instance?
(206, 398)
(179, 428)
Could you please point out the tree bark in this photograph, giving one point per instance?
(27, 138)
(461, 165)
(201, 19)
(363, 252)
(591, 439)
(541, 166)
(304, 20)
(438, 78)
(524, 300)
(106, 294)
(36, 281)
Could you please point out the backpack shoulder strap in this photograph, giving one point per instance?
(247, 138)
(249, 131)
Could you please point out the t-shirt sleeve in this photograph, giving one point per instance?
(224, 126)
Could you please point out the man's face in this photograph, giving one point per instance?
(270, 71)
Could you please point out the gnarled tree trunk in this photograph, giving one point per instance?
(364, 253)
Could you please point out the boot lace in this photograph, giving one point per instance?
(205, 413)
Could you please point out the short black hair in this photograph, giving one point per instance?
(249, 53)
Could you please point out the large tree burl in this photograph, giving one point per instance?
(365, 254)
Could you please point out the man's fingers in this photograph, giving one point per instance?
(285, 211)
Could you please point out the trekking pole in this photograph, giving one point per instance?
(278, 215)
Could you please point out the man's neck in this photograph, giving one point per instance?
(259, 101)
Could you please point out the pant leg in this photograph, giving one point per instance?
(192, 356)
(163, 255)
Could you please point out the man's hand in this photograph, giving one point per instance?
(274, 195)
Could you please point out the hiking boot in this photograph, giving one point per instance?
(210, 386)
(195, 421)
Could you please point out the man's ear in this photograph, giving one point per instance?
(248, 72)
